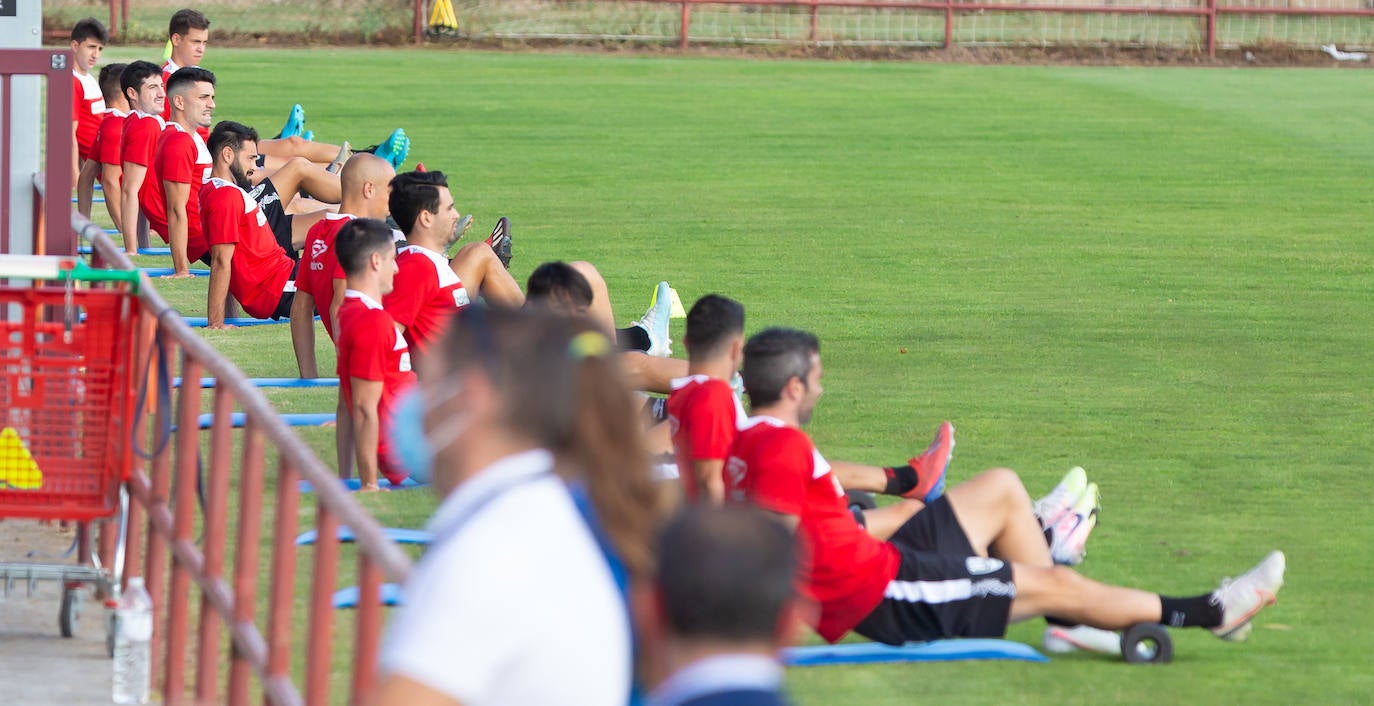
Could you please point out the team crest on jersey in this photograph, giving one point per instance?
(318, 248)
(460, 297)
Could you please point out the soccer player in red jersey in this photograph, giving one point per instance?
(189, 33)
(703, 412)
(704, 415)
(88, 104)
(245, 258)
(364, 185)
(181, 165)
(108, 141)
(430, 287)
(968, 564)
(373, 359)
(141, 85)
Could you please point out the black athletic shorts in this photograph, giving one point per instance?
(943, 588)
(283, 310)
(265, 193)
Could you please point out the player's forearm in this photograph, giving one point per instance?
(217, 294)
(366, 432)
(178, 232)
(109, 182)
(343, 439)
(133, 181)
(710, 483)
(303, 335)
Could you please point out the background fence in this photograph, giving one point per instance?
(1187, 25)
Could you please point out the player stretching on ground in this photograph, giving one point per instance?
(141, 85)
(373, 359)
(971, 562)
(181, 162)
(108, 139)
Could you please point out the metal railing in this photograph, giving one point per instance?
(166, 512)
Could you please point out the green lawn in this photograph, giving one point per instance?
(1162, 275)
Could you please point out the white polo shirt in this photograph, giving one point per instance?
(514, 603)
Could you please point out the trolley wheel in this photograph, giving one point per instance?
(860, 500)
(70, 611)
(1147, 643)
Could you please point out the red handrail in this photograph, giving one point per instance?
(162, 519)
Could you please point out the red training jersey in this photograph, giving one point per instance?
(109, 139)
(88, 104)
(370, 348)
(182, 158)
(261, 270)
(426, 293)
(704, 416)
(139, 146)
(320, 266)
(847, 570)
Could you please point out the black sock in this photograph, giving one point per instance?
(900, 479)
(1193, 611)
(632, 338)
(1051, 620)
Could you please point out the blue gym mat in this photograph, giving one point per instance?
(937, 651)
(202, 322)
(348, 597)
(352, 484)
(313, 419)
(164, 271)
(399, 535)
(207, 383)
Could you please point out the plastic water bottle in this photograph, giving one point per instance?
(133, 644)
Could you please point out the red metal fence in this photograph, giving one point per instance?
(188, 577)
(54, 68)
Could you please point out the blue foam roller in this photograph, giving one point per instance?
(348, 597)
(237, 419)
(353, 484)
(207, 383)
(399, 535)
(94, 199)
(202, 322)
(936, 651)
(164, 271)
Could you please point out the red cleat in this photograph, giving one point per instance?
(930, 466)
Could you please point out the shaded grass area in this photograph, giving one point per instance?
(1161, 275)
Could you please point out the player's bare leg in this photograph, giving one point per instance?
(600, 311)
(483, 274)
(299, 175)
(994, 510)
(651, 374)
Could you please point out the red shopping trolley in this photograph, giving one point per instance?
(66, 412)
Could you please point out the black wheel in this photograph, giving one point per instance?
(860, 500)
(69, 612)
(1147, 643)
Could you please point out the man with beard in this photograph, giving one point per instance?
(245, 258)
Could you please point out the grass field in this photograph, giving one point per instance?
(1162, 275)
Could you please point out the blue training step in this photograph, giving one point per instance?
(86, 249)
(399, 535)
(207, 383)
(936, 651)
(237, 419)
(353, 484)
(348, 597)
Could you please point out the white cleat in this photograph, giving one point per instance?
(1240, 599)
(1052, 507)
(656, 319)
(1068, 537)
(1060, 639)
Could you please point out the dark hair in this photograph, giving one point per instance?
(558, 285)
(570, 398)
(188, 76)
(109, 80)
(89, 28)
(774, 356)
(712, 321)
(725, 573)
(358, 239)
(412, 192)
(135, 74)
(228, 133)
(183, 21)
